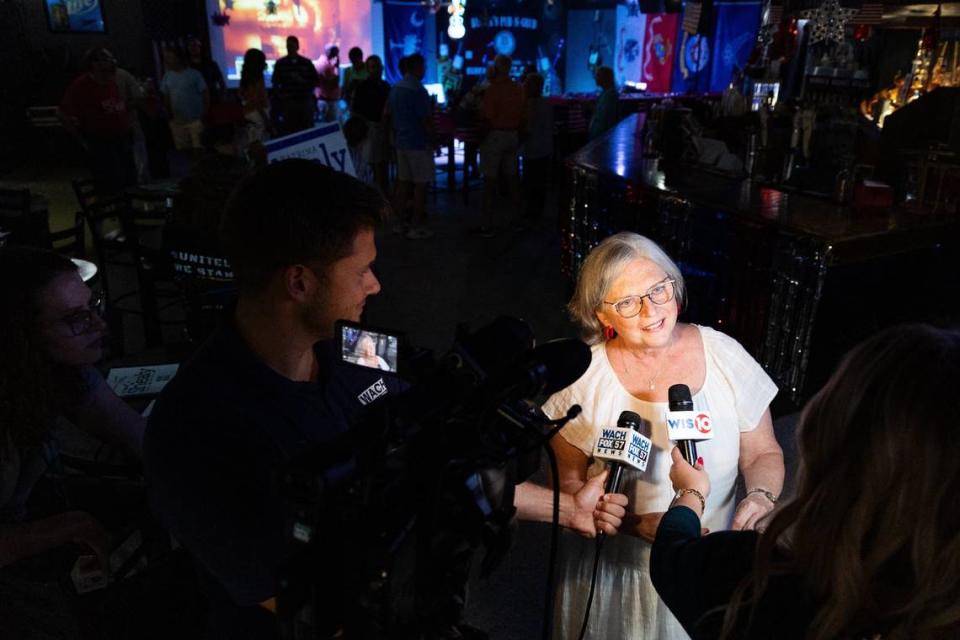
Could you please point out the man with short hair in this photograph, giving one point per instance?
(409, 111)
(96, 110)
(267, 386)
(369, 100)
(294, 83)
(356, 73)
(502, 109)
(186, 98)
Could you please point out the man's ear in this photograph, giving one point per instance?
(298, 282)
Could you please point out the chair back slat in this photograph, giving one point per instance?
(69, 241)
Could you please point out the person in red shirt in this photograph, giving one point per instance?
(95, 110)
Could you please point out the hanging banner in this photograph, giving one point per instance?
(404, 31)
(628, 65)
(324, 144)
(659, 40)
(691, 69)
(736, 32)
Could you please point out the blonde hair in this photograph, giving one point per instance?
(604, 265)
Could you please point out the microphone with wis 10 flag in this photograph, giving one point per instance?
(623, 446)
(684, 425)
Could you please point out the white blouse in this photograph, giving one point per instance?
(736, 392)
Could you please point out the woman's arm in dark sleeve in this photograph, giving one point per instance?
(694, 574)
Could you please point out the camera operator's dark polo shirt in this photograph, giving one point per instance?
(218, 438)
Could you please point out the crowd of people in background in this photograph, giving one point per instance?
(389, 129)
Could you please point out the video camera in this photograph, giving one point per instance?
(386, 520)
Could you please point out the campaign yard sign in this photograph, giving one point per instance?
(324, 144)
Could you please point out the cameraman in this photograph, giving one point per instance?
(268, 387)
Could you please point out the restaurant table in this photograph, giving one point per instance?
(798, 280)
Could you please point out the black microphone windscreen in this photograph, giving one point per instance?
(564, 360)
(629, 420)
(679, 397)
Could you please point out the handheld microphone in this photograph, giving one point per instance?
(623, 446)
(684, 425)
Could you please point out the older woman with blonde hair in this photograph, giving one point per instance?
(627, 299)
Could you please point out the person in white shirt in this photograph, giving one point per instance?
(628, 296)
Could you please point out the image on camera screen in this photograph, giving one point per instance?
(367, 348)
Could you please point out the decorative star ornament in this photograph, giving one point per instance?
(828, 21)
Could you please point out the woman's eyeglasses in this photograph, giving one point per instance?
(630, 306)
(83, 321)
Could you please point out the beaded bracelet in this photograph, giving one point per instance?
(683, 492)
(767, 494)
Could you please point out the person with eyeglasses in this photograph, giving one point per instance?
(628, 296)
(51, 335)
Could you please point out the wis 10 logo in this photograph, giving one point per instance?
(689, 425)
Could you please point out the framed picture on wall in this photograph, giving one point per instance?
(75, 16)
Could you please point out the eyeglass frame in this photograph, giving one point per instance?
(667, 280)
(84, 317)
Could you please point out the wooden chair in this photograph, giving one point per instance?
(156, 276)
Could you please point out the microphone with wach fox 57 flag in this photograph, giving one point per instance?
(623, 446)
(684, 425)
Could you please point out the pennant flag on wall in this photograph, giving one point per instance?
(659, 41)
(733, 40)
(691, 16)
(404, 32)
(870, 13)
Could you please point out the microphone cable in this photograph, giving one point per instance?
(558, 424)
(593, 586)
(547, 626)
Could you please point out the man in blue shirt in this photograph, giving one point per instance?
(186, 98)
(409, 112)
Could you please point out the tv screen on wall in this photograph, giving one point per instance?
(266, 25)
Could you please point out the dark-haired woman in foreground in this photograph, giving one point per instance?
(870, 546)
(51, 334)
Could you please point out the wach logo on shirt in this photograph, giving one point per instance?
(374, 391)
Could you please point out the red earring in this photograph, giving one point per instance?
(679, 307)
(609, 333)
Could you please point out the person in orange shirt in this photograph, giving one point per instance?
(502, 110)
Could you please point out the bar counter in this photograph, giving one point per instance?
(795, 278)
